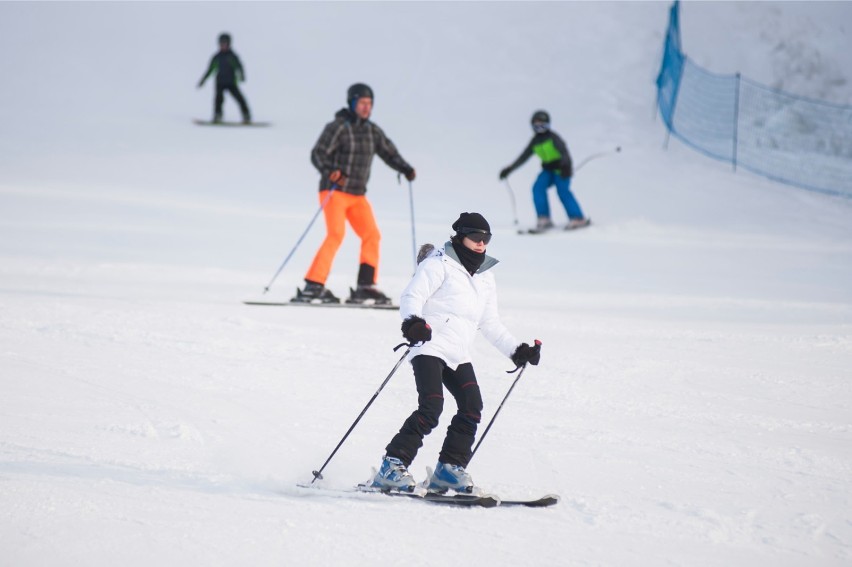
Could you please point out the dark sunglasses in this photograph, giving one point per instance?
(476, 235)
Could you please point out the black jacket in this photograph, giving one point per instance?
(348, 144)
(229, 70)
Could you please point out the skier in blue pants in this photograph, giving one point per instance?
(557, 170)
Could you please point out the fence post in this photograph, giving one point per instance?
(736, 121)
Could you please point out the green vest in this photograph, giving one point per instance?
(547, 152)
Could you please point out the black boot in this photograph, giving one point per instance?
(368, 294)
(314, 293)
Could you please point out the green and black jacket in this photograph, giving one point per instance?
(228, 68)
(553, 153)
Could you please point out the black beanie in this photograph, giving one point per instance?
(473, 221)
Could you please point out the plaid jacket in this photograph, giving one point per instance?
(348, 143)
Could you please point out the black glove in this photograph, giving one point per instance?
(565, 169)
(409, 174)
(526, 353)
(504, 173)
(416, 330)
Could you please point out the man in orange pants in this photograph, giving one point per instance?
(343, 155)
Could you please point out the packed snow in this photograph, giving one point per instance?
(692, 405)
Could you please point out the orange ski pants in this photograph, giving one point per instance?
(342, 207)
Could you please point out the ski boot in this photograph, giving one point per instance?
(314, 293)
(451, 477)
(578, 223)
(217, 119)
(543, 223)
(368, 294)
(393, 476)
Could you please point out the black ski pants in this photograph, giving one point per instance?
(431, 374)
(238, 96)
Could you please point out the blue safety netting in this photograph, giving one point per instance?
(788, 138)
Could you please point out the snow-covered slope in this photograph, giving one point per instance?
(692, 402)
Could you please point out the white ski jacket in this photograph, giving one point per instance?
(456, 305)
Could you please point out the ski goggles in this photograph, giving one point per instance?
(476, 234)
(540, 127)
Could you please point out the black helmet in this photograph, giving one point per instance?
(356, 91)
(225, 38)
(540, 116)
(540, 121)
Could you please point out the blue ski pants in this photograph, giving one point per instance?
(563, 189)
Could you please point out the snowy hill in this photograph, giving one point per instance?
(692, 404)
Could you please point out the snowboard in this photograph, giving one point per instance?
(231, 124)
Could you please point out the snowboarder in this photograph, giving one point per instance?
(450, 297)
(556, 169)
(229, 72)
(343, 155)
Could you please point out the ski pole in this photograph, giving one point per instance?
(318, 473)
(298, 242)
(596, 156)
(514, 205)
(413, 238)
(506, 397)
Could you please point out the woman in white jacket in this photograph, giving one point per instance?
(452, 295)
